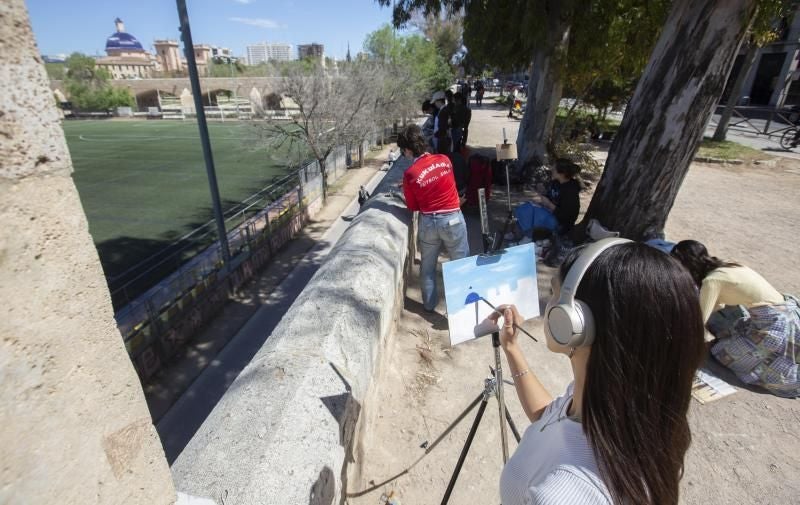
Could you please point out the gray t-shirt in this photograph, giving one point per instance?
(554, 463)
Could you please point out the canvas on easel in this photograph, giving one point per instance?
(504, 277)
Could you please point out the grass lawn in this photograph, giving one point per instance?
(727, 150)
(143, 184)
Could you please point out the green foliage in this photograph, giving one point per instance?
(766, 23)
(727, 150)
(610, 45)
(444, 31)
(88, 87)
(579, 154)
(425, 66)
(609, 40)
(55, 71)
(224, 67)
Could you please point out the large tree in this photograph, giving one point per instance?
(575, 42)
(665, 120)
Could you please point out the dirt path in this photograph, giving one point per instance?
(745, 447)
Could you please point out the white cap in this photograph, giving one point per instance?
(439, 95)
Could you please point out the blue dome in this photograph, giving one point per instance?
(123, 41)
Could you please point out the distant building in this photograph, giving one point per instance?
(168, 55)
(774, 79)
(54, 58)
(202, 57)
(314, 50)
(126, 58)
(256, 54)
(279, 51)
(264, 52)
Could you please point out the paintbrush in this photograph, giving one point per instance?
(474, 297)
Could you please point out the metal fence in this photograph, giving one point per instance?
(156, 323)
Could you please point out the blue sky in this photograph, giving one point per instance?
(67, 26)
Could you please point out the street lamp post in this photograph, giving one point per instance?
(191, 63)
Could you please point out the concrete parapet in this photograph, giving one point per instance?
(283, 432)
(76, 428)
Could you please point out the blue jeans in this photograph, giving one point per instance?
(530, 216)
(437, 230)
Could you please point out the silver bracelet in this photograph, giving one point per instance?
(520, 374)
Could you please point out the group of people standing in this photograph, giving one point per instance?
(447, 127)
(630, 319)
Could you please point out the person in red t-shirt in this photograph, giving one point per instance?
(430, 188)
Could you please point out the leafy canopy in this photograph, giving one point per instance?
(89, 88)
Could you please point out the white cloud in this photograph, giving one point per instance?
(244, 2)
(259, 22)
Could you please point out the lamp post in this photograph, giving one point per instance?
(191, 63)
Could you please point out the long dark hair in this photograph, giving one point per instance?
(648, 344)
(694, 256)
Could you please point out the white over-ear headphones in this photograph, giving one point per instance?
(570, 322)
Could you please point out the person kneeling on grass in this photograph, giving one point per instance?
(557, 210)
(756, 327)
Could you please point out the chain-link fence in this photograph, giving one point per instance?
(155, 324)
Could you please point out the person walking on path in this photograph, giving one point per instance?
(512, 99)
(429, 187)
(479, 91)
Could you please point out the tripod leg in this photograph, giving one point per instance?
(464, 451)
(512, 426)
(461, 416)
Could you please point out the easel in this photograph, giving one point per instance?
(493, 242)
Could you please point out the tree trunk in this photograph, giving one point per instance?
(665, 120)
(324, 172)
(736, 91)
(544, 87)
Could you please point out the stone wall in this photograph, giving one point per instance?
(76, 428)
(283, 432)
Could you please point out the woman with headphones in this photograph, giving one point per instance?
(621, 313)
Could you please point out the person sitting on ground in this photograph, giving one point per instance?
(557, 210)
(619, 433)
(429, 187)
(757, 327)
(427, 126)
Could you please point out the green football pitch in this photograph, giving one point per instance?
(143, 186)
